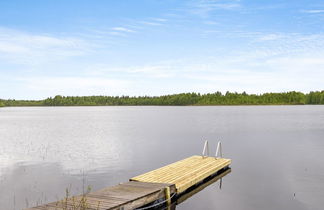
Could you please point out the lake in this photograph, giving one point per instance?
(277, 152)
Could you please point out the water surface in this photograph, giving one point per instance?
(277, 152)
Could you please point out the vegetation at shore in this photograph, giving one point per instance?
(183, 99)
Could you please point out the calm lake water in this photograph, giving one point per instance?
(277, 152)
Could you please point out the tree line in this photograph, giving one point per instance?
(182, 99)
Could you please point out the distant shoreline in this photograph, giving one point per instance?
(246, 105)
(182, 99)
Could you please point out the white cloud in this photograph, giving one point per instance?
(160, 19)
(314, 11)
(166, 69)
(270, 37)
(23, 47)
(288, 62)
(203, 8)
(154, 71)
(123, 29)
(49, 86)
(6, 47)
(151, 23)
(260, 72)
(263, 62)
(129, 26)
(117, 33)
(209, 22)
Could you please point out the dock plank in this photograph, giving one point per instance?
(185, 173)
(149, 187)
(129, 195)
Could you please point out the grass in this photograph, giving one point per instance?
(75, 202)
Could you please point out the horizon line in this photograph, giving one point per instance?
(137, 96)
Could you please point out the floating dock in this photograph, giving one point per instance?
(158, 186)
(185, 173)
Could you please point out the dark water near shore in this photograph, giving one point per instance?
(277, 152)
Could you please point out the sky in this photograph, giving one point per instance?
(159, 47)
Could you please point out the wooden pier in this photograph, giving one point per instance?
(129, 195)
(185, 173)
(158, 185)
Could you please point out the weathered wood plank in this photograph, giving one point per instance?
(129, 195)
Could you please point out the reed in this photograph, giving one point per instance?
(75, 202)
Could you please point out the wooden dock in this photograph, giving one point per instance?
(185, 173)
(158, 185)
(203, 185)
(129, 195)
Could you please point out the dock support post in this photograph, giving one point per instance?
(167, 196)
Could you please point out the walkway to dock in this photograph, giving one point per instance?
(129, 195)
(156, 185)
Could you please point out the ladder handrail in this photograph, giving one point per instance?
(206, 149)
(219, 152)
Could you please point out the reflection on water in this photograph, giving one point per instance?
(209, 181)
(277, 152)
(23, 184)
(190, 192)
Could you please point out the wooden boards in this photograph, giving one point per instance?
(202, 186)
(129, 195)
(185, 173)
(144, 189)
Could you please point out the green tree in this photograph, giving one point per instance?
(182, 99)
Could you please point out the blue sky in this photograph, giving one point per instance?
(157, 47)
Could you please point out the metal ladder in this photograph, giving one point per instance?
(218, 154)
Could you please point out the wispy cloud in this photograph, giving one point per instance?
(258, 74)
(160, 19)
(264, 53)
(165, 69)
(313, 11)
(292, 44)
(203, 8)
(22, 47)
(151, 23)
(210, 22)
(123, 29)
(166, 52)
(270, 37)
(49, 86)
(117, 33)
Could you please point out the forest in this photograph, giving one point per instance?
(182, 99)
